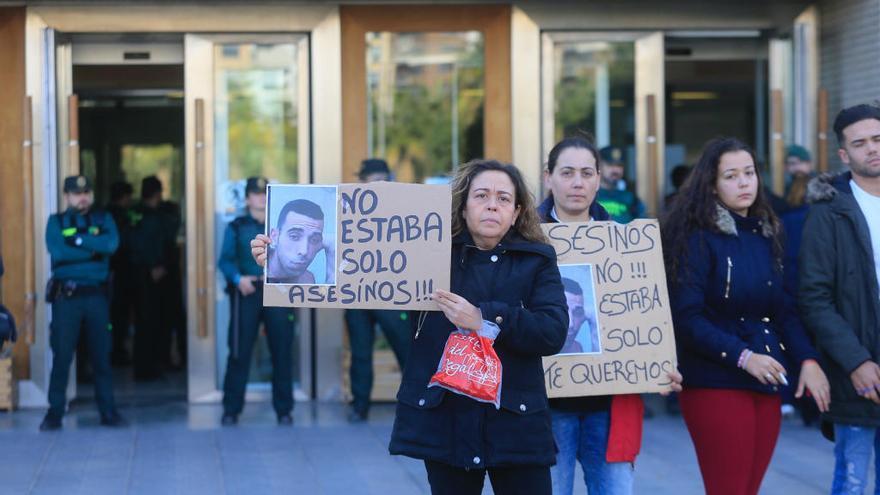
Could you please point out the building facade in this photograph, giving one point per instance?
(205, 94)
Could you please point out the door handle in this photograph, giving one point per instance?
(653, 148)
(73, 134)
(201, 222)
(777, 123)
(822, 135)
(30, 295)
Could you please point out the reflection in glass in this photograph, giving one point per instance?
(425, 98)
(165, 161)
(256, 110)
(699, 92)
(594, 91)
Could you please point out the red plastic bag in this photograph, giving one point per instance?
(470, 367)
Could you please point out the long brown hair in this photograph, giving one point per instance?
(797, 191)
(695, 206)
(527, 222)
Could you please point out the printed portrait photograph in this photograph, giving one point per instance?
(583, 328)
(301, 222)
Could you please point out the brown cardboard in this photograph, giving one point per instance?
(392, 251)
(632, 305)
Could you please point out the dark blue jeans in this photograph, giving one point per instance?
(361, 334)
(249, 311)
(583, 437)
(70, 316)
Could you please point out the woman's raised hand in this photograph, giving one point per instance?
(260, 248)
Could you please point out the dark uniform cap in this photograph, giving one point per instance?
(798, 152)
(255, 185)
(373, 166)
(77, 184)
(611, 155)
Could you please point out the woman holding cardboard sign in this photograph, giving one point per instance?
(504, 275)
(603, 433)
(738, 334)
(505, 287)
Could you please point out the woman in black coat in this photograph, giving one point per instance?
(738, 333)
(504, 281)
(504, 284)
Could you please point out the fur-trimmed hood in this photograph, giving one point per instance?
(824, 187)
(727, 224)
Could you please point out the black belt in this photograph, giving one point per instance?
(232, 289)
(70, 289)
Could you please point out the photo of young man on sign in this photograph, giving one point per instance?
(583, 328)
(302, 225)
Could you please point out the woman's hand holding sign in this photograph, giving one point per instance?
(260, 248)
(329, 248)
(675, 380)
(458, 310)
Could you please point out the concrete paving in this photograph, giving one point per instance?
(175, 448)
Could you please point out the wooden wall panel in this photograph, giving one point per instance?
(12, 223)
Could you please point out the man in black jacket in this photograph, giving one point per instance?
(839, 298)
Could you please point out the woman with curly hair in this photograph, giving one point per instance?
(738, 333)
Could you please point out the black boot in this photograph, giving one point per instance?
(113, 420)
(50, 423)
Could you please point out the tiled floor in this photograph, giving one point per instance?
(175, 448)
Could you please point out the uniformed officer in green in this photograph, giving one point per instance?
(80, 241)
(362, 324)
(245, 286)
(615, 195)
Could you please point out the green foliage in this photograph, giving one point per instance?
(418, 124)
(262, 130)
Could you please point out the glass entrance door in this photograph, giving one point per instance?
(247, 114)
(425, 89)
(610, 86)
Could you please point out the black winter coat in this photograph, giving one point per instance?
(517, 286)
(839, 297)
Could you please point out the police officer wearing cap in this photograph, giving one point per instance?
(80, 242)
(244, 279)
(614, 195)
(362, 323)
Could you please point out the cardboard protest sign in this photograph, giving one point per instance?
(380, 245)
(620, 338)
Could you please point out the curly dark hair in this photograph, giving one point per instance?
(527, 222)
(695, 207)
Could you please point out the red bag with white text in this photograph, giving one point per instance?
(470, 367)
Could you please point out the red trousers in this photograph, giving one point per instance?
(734, 433)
